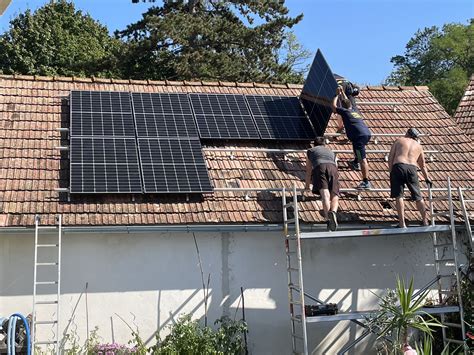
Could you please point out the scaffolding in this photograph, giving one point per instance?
(447, 273)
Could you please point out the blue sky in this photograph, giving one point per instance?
(357, 37)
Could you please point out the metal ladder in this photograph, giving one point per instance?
(447, 267)
(38, 300)
(467, 216)
(299, 338)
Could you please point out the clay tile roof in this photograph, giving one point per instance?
(31, 108)
(464, 114)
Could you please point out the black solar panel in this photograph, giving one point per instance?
(101, 165)
(163, 115)
(103, 148)
(318, 92)
(97, 113)
(173, 165)
(222, 116)
(280, 117)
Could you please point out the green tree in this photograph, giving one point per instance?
(58, 40)
(239, 40)
(443, 59)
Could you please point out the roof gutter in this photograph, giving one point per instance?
(186, 228)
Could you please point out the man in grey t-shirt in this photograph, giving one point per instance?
(321, 170)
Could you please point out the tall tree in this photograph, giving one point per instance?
(237, 40)
(443, 59)
(58, 40)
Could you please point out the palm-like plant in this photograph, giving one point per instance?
(395, 320)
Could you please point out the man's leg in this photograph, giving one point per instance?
(365, 169)
(334, 202)
(325, 199)
(421, 207)
(401, 211)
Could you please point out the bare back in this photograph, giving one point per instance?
(406, 151)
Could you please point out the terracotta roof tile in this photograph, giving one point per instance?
(464, 114)
(31, 110)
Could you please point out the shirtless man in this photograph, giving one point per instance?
(404, 158)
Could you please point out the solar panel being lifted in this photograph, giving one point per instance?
(103, 148)
(223, 116)
(280, 117)
(318, 92)
(163, 115)
(173, 165)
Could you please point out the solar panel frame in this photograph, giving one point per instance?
(280, 117)
(318, 92)
(216, 118)
(179, 167)
(163, 115)
(117, 105)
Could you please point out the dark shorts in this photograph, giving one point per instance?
(326, 176)
(358, 145)
(405, 174)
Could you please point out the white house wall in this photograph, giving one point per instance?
(149, 280)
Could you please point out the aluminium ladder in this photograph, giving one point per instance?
(39, 301)
(296, 293)
(467, 216)
(447, 267)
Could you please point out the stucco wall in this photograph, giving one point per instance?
(150, 279)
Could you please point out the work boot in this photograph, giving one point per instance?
(332, 222)
(364, 185)
(354, 165)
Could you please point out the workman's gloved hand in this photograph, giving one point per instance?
(429, 183)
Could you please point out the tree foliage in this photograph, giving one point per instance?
(58, 40)
(443, 59)
(239, 40)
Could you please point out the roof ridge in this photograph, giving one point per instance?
(220, 83)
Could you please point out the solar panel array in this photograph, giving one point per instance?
(103, 149)
(150, 142)
(280, 117)
(222, 116)
(169, 145)
(318, 92)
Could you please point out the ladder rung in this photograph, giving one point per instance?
(444, 260)
(439, 198)
(453, 293)
(297, 319)
(443, 245)
(439, 214)
(291, 252)
(46, 264)
(296, 336)
(45, 342)
(47, 245)
(292, 269)
(455, 341)
(298, 303)
(291, 220)
(46, 322)
(289, 204)
(452, 325)
(47, 227)
(46, 282)
(46, 302)
(446, 275)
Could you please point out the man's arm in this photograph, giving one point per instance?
(422, 165)
(334, 100)
(309, 171)
(391, 156)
